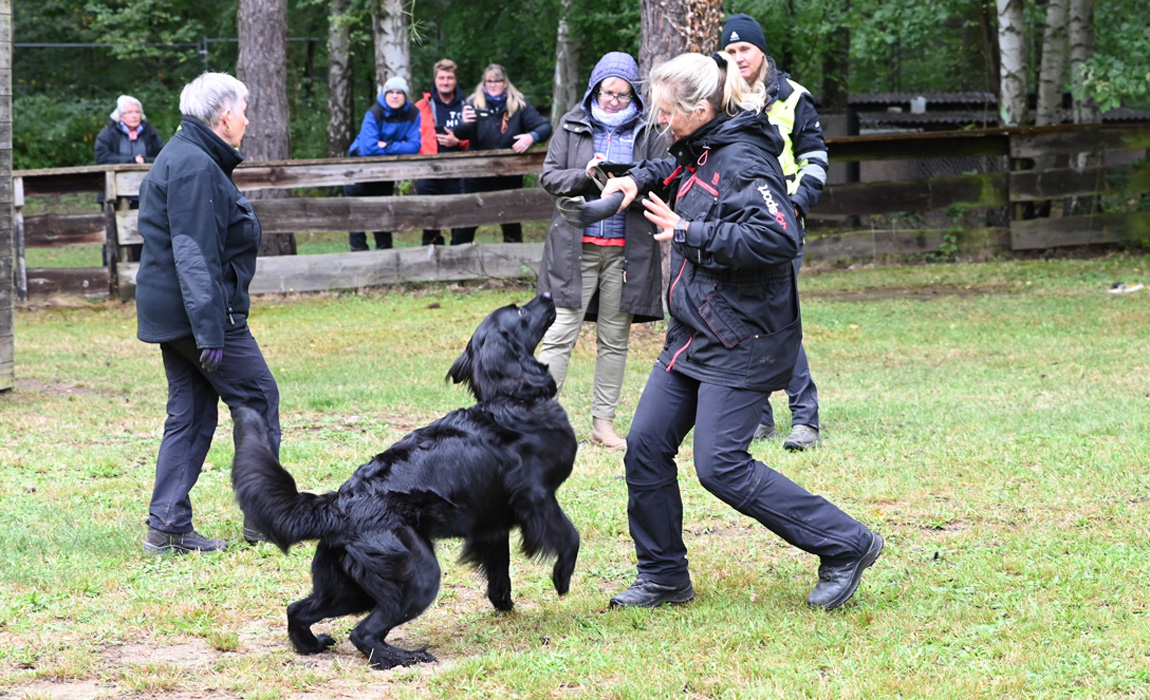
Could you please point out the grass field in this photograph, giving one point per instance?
(992, 421)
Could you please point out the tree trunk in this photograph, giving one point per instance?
(671, 27)
(1052, 74)
(1082, 48)
(390, 22)
(340, 120)
(567, 52)
(667, 29)
(261, 26)
(1012, 74)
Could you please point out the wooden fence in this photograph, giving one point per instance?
(1112, 176)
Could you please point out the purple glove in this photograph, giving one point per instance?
(210, 359)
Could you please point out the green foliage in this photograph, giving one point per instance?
(1119, 72)
(47, 132)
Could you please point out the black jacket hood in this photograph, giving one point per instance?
(746, 127)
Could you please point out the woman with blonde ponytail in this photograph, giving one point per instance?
(732, 338)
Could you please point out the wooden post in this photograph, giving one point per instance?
(18, 219)
(7, 187)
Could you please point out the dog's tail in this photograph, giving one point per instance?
(267, 493)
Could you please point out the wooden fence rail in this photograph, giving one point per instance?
(1114, 172)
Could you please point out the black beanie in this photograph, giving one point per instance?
(743, 28)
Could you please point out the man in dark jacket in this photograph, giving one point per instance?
(200, 241)
(440, 114)
(791, 110)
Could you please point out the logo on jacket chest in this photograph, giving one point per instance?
(773, 206)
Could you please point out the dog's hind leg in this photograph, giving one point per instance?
(548, 531)
(334, 594)
(493, 555)
(400, 572)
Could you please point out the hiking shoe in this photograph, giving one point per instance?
(802, 437)
(252, 535)
(838, 583)
(648, 594)
(160, 542)
(765, 432)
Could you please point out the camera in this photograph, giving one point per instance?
(483, 113)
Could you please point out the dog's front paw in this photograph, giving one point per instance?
(561, 575)
(501, 600)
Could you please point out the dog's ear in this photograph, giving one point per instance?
(461, 370)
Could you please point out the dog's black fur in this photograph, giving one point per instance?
(476, 473)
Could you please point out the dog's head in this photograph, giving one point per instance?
(499, 360)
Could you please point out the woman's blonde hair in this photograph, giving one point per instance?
(515, 99)
(683, 81)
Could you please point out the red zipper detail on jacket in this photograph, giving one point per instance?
(675, 357)
(673, 175)
(670, 293)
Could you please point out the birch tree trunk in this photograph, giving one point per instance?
(567, 52)
(1082, 48)
(1052, 74)
(340, 120)
(390, 23)
(1012, 71)
(261, 27)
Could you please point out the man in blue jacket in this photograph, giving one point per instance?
(390, 128)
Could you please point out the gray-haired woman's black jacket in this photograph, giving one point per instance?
(114, 146)
(200, 242)
(732, 295)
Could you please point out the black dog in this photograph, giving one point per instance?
(476, 473)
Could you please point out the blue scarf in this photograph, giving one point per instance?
(612, 121)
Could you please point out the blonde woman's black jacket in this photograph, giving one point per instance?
(200, 242)
(732, 294)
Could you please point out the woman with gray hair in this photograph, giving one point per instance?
(128, 137)
(200, 240)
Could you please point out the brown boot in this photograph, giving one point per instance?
(603, 431)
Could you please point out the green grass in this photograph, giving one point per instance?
(990, 420)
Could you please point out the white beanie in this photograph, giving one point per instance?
(396, 83)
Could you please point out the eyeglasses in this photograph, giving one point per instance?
(625, 99)
(396, 92)
(495, 81)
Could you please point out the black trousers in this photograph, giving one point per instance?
(242, 379)
(512, 233)
(358, 239)
(432, 187)
(724, 420)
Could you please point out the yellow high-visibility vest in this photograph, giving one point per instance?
(782, 115)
